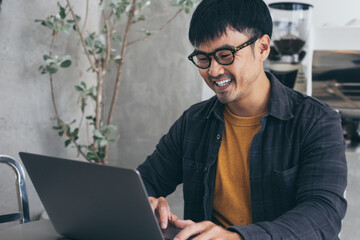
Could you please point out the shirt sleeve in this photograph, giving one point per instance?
(162, 170)
(322, 179)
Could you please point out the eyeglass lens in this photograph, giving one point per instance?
(224, 57)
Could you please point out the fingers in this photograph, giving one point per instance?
(206, 230)
(182, 223)
(162, 210)
(153, 203)
(192, 229)
(173, 218)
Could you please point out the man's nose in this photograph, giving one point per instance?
(215, 68)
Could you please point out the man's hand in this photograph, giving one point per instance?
(162, 210)
(204, 231)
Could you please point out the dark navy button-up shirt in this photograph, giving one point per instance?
(298, 171)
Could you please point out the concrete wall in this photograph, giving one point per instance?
(159, 83)
(26, 112)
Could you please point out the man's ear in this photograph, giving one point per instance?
(263, 47)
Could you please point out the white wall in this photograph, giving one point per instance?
(331, 12)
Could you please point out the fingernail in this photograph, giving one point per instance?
(176, 238)
(163, 225)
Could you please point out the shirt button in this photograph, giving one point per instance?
(218, 137)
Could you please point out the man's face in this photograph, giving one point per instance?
(232, 83)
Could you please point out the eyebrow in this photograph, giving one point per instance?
(225, 46)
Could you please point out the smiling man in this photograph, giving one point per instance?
(258, 160)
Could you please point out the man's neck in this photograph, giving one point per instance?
(255, 103)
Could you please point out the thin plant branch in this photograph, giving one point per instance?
(159, 29)
(99, 92)
(103, 103)
(81, 37)
(78, 147)
(121, 64)
(171, 19)
(81, 119)
(108, 44)
(86, 16)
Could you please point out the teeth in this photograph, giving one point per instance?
(223, 83)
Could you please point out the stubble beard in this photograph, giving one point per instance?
(235, 95)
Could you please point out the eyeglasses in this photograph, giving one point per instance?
(224, 56)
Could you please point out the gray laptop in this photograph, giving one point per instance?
(91, 201)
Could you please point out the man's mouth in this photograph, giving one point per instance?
(223, 82)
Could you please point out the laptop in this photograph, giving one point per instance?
(90, 201)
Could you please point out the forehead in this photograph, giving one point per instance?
(229, 38)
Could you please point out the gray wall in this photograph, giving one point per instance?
(158, 85)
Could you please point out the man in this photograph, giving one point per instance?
(258, 160)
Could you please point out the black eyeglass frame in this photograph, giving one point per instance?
(232, 50)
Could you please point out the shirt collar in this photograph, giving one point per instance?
(279, 104)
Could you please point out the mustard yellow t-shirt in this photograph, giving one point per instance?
(232, 201)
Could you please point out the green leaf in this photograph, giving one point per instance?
(110, 127)
(78, 18)
(42, 70)
(93, 97)
(46, 57)
(56, 127)
(91, 156)
(117, 39)
(65, 28)
(146, 32)
(141, 18)
(83, 84)
(75, 132)
(65, 61)
(97, 134)
(101, 155)
(102, 142)
(117, 59)
(61, 122)
(67, 142)
(50, 61)
(50, 69)
(89, 41)
(79, 89)
(89, 117)
(49, 24)
(74, 27)
(62, 12)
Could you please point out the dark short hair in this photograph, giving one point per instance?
(212, 17)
